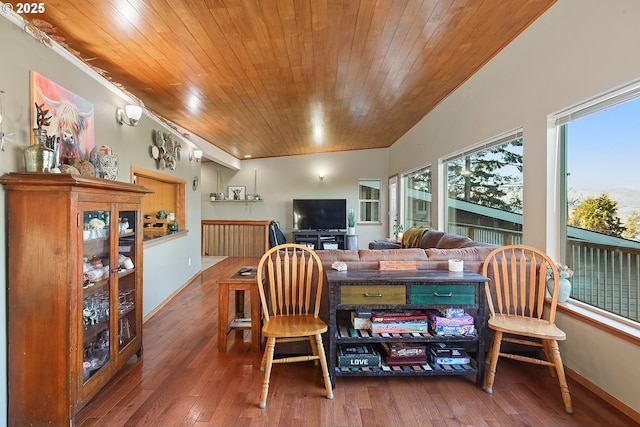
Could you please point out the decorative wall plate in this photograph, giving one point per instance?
(165, 150)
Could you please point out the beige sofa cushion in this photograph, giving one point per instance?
(409, 254)
(331, 255)
(474, 253)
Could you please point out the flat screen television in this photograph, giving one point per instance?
(319, 214)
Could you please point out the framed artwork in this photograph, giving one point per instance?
(237, 192)
(72, 118)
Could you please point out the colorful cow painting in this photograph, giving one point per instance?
(72, 118)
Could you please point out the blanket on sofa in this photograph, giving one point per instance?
(412, 237)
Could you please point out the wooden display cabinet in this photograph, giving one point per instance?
(74, 276)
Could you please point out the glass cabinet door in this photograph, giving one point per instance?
(96, 296)
(126, 284)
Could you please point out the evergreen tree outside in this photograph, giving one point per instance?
(491, 177)
(598, 214)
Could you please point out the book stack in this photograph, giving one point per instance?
(459, 323)
(358, 356)
(448, 354)
(398, 322)
(405, 354)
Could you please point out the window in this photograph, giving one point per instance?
(417, 198)
(484, 188)
(599, 148)
(369, 200)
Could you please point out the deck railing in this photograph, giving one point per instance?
(234, 238)
(605, 275)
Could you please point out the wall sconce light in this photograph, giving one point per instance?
(321, 176)
(195, 154)
(130, 115)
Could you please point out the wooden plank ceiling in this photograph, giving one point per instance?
(273, 78)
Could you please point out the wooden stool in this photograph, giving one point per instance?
(239, 283)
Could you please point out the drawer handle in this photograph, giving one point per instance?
(368, 295)
(450, 294)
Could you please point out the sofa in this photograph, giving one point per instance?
(438, 247)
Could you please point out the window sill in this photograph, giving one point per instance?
(607, 322)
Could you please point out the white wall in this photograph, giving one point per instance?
(282, 179)
(578, 49)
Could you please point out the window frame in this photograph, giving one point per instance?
(487, 235)
(405, 194)
(600, 317)
(372, 202)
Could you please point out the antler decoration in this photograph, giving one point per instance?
(42, 119)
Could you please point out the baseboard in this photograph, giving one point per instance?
(160, 306)
(620, 406)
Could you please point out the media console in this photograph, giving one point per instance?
(320, 238)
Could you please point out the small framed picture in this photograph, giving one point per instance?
(237, 192)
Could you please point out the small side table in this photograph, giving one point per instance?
(239, 283)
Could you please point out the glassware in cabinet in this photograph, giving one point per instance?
(96, 292)
(128, 301)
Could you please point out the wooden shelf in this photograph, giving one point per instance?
(235, 201)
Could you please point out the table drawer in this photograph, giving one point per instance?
(443, 294)
(373, 295)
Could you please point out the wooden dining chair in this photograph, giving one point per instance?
(518, 276)
(290, 307)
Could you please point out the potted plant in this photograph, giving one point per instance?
(398, 231)
(212, 196)
(351, 222)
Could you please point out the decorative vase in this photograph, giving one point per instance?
(108, 166)
(351, 231)
(37, 157)
(564, 288)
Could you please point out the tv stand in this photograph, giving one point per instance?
(320, 238)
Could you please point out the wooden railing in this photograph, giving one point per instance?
(605, 275)
(234, 238)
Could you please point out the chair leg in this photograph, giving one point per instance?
(564, 387)
(325, 369)
(314, 349)
(271, 345)
(493, 361)
(549, 358)
(263, 361)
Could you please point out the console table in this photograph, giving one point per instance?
(401, 290)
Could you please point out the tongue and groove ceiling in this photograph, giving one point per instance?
(271, 78)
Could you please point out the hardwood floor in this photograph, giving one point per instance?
(183, 380)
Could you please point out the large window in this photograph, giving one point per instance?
(417, 198)
(369, 200)
(484, 188)
(600, 148)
